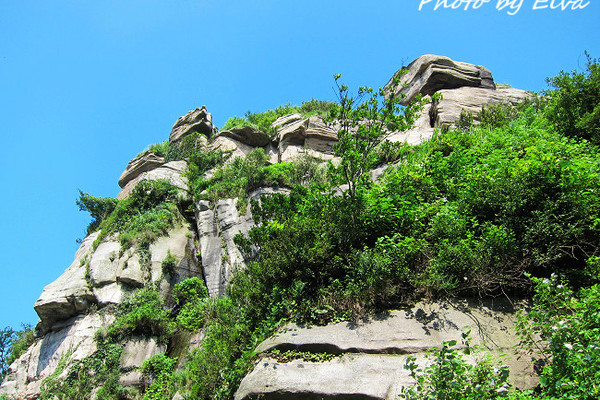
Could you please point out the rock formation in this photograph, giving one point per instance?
(369, 356)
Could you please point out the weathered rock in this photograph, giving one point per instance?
(309, 135)
(173, 171)
(217, 225)
(247, 135)
(228, 144)
(373, 353)
(198, 120)
(146, 161)
(446, 111)
(74, 339)
(430, 73)
(422, 130)
(70, 294)
(138, 350)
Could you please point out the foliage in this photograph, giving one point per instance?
(159, 370)
(192, 297)
(143, 314)
(264, 121)
(191, 144)
(452, 377)
(568, 323)
(574, 105)
(363, 126)
(169, 264)
(98, 207)
(146, 214)
(13, 344)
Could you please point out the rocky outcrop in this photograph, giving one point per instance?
(198, 120)
(172, 171)
(248, 136)
(144, 162)
(370, 356)
(296, 135)
(446, 112)
(72, 340)
(217, 226)
(430, 73)
(135, 352)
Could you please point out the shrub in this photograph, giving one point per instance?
(169, 264)
(98, 207)
(158, 369)
(574, 105)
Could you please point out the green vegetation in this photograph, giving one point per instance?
(508, 207)
(13, 344)
(263, 121)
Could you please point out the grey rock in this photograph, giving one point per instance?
(230, 145)
(74, 339)
(248, 135)
(146, 161)
(198, 120)
(373, 353)
(70, 293)
(430, 73)
(446, 111)
(138, 350)
(296, 135)
(172, 171)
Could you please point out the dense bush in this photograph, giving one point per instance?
(574, 103)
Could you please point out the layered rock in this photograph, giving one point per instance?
(146, 161)
(171, 171)
(431, 73)
(371, 355)
(296, 135)
(198, 120)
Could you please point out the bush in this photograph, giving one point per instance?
(574, 105)
(98, 207)
(567, 322)
(158, 369)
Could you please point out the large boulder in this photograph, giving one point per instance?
(453, 102)
(198, 120)
(430, 73)
(70, 294)
(172, 171)
(371, 355)
(248, 135)
(311, 135)
(146, 161)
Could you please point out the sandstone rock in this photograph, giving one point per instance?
(198, 120)
(146, 161)
(138, 350)
(172, 171)
(309, 135)
(422, 130)
(74, 339)
(373, 353)
(70, 294)
(217, 225)
(248, 135)
(447, 111)
(430, 73)
(228, 144)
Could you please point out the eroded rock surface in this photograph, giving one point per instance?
(172, 171)
(147, 161)
(431, 73)
(372, 354)
(198, 120)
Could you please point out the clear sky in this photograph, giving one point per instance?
(86, 85)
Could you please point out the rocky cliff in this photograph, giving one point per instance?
(368, 356)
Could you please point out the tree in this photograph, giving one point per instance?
(7, 336)
(364, 121)
(574, 104)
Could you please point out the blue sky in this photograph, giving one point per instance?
(86, 85)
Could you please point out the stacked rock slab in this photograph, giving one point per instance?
(459, 86)
(370, 356)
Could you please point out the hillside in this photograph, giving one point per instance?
(324, 250)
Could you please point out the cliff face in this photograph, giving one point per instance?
(371, 355)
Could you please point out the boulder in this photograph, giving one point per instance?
(173, 171)
(146, 161)
(248, 135)
(198, 120)
(446, 111)
(297, 135)
(430, 73)
(230, 145)
(371, 354)
(70, 294)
